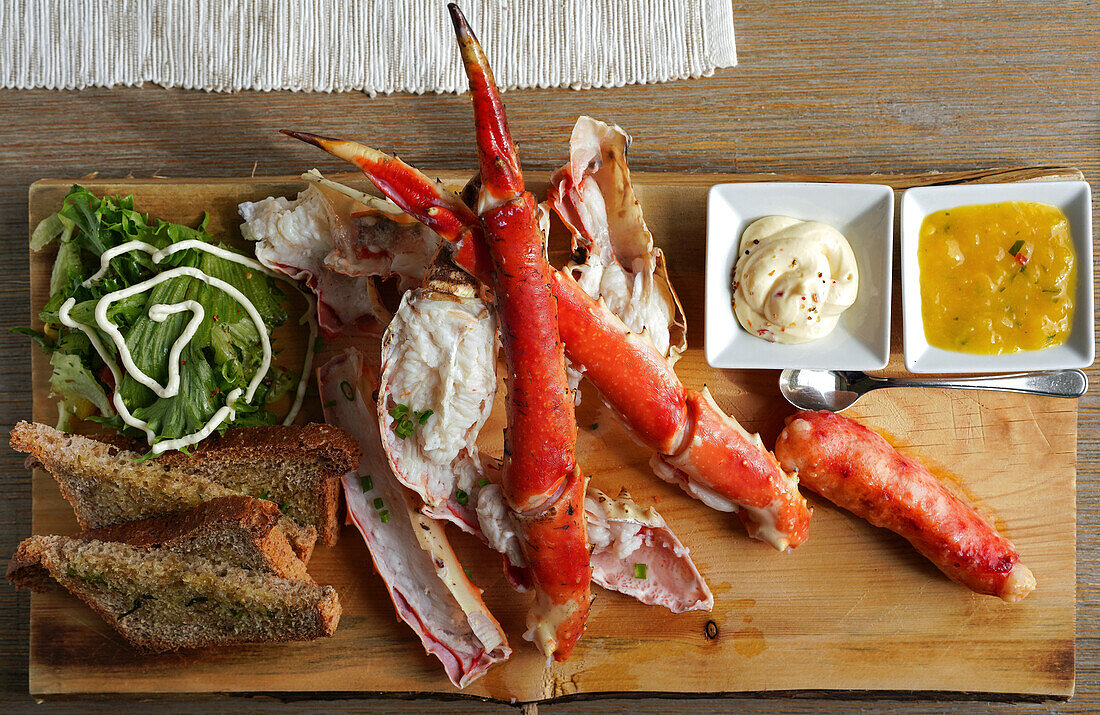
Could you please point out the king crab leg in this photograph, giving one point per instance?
(542, 484)
(698, 446)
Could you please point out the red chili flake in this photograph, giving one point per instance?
(779, 294)
(183, 362)
(215, 318)
(819, 275)
(814, 297)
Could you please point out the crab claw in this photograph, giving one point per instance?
(440, 209)
(428, 201)
(501, 179)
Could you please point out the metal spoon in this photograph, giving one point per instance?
(837, 390)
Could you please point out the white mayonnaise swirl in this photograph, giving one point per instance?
(793, 279)
(160, 312)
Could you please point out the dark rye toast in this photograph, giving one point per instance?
(185, 581)
(298, 468)
(238, 530)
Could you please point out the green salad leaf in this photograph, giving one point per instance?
(224, 354)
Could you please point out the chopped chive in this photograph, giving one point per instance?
(422, 417)
(366, 483)
(468, 574)
(345, 388)
(399, 410)
(462, 497)
(330, 403)
(639, 571)
(384, 515)
(264, 495)
(283, 507)
(378, 502)
(594, 426)
(138, 603)
(1016, 247)
(483, 482)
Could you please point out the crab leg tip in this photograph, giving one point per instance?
(305, 137)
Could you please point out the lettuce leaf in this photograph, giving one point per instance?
(223, 355)
(76, 384)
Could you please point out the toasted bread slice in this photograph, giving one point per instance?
(299, 468)
(173, 582)
(238, 530)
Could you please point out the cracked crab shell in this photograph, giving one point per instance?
(593, 196)
(439, 378)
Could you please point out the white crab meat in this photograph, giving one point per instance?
(372, 236)
(295, 237)
(634, 552)
(497, 526)
(626, 541)
(342, 242)
(384, 246)
(437, 390)
(594, 197)
(429, 588)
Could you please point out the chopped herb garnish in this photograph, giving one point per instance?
(378, 503)
(284, 507)
(330, 403)
(639, 571)
(594, 426)
(366, 482)
(138, 603)
(197, 599)
(468, 574)
(264, 495)
(1016, 247)
(403, 425)
(483, 482)
(384, 515)
(462, 497)
(345, 387)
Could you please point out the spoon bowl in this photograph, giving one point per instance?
(837, 390)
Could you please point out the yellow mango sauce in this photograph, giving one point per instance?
(997, 278)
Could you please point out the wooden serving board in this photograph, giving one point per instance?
(855, 608)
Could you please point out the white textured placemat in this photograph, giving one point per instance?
(368, 45)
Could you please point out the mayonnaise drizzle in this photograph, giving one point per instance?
(161, 311)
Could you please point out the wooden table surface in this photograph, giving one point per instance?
(833, 87)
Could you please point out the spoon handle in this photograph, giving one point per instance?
(1053, 383)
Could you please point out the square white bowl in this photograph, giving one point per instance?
(1075, 200)
(864, 213)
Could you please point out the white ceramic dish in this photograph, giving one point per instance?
(864, 213)
(1074, 198)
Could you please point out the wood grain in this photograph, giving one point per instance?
(846, 86)
(875, 614)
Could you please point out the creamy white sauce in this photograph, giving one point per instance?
(793, 279)
(160, 312)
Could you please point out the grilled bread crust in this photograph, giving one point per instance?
(299, 467)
